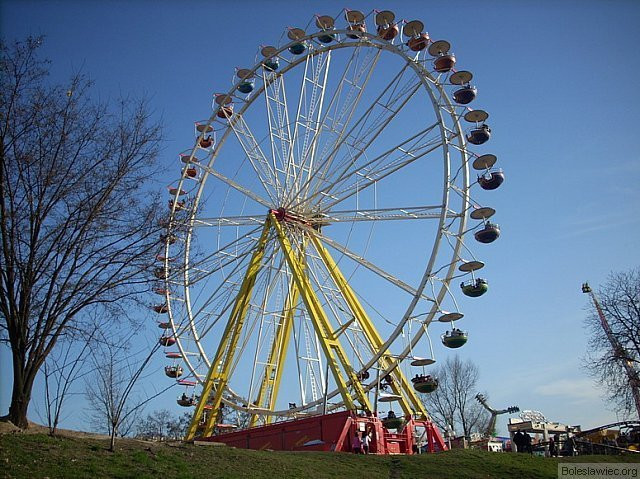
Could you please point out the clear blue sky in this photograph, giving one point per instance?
(557, 79)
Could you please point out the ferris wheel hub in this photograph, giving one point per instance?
(313, 220)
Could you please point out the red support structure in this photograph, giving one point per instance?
(334, 432)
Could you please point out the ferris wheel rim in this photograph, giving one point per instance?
(380, 44)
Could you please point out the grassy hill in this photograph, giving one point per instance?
(38, 455)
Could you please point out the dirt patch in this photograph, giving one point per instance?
(7, 427)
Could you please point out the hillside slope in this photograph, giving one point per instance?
(38, 455)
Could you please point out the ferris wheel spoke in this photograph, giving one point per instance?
(364, 132)
(274, 365)
(263, 169)
(342, 216)
(348, 315)
(308, 122)
(236, 186)
(372, 121)
(363, 335)
(364, 176)
(343, 105)
(232, 252)
(345, 330)
(222, 297)
(220, 371)
(335, 119)
(226, 293)
(335, 303)
(228, 308)
(222, 221)
(239, 263)
(372, 267)
(384, 214)
(279, 126)
(336, 355)
(205, 320)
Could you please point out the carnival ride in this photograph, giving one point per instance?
(317, 224)
(491, 425)
(618, 437)
(620, 353)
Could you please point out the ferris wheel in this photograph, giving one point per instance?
(320, 224)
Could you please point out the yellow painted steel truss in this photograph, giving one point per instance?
(409, 400)
(300, 289)
(334, 353)
(275, 364)
(218, 374)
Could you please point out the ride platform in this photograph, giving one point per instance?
(334, 432)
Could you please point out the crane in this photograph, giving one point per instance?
(618, 351)
(494, 413)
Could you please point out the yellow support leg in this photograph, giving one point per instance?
(333, 350)
(400, 386)
(275, 364)
(218, 374)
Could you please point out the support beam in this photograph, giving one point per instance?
(218, 374)
(333, 350)
(275, 364)
(410, 402)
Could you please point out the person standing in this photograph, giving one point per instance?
(571, 445)
(356, 443)
(518, 440)
(366, 442)
(552, 447)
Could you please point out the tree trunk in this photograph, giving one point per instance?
(21, 394)
(112, 442)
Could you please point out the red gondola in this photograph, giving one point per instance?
(419, 43)
(205, 142)
(161, 308)
(465, 95)
(167, 341)
(388, 32)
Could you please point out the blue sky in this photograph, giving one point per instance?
(557, 79)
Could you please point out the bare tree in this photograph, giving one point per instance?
(77, 227)
(156, 425)
(163, 424)
(109, 391)
(62, 368)
(614, 364)
(452, 403)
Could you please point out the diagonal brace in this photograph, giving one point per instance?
(400, 386)
(331, 346)
(218, 374)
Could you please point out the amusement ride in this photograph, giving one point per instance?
(321, 225)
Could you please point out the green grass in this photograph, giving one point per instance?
(30, 456)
